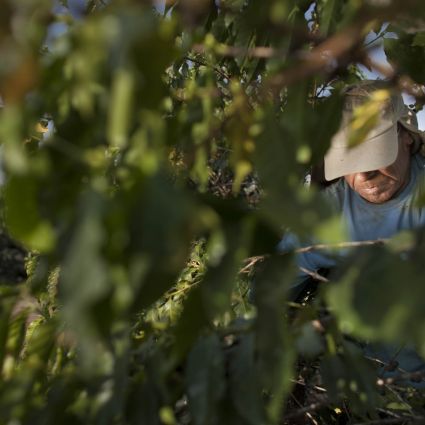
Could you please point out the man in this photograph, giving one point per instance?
(377, 180)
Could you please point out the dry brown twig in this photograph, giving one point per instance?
(404, 376)
(215, 68)
(314, 275)
(252, 261)
(311, 408)
(341, 245)
(403, 82)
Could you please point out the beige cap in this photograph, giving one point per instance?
(380, 145)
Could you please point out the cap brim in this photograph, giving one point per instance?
(372, 154)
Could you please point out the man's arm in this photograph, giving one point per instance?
(309, 261)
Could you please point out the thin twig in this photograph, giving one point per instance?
(305, 410)
(380, 35)
(385, 70)
(388, 412)
(324, 87)
(405, 376)
(416, 420)
(315, 387)
(260, 52)
(202, 63)
(251, 261)
(341, 245)
(314, 275)
(308, 414)
(403, 82)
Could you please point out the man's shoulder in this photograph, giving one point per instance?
(418, 191)
(419, 161)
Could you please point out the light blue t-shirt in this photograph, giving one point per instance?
(367, 221)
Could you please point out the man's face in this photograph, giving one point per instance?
(381, 185)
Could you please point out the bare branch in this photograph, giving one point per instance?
(252, 261)
(215, 68)
(234, 51)
(341, 245)
(411, 420)
(405, 376)
(403, 82)
(305, 410)
(314, 275)
(315, 387)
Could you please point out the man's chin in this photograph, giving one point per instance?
(376, 196)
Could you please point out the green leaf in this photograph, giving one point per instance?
(205, 379)
(325, 121)
(162, 221)
(220, 280)
(12, 136)
(350, 375)
(309, 342)
(22, 214)
(333, 230)
(244, 383)
(366, 117)
(190, 324)
(329, 14)
(275, 353)
(143, 401)
(40, 343)
(6, 307)
(368, 301)
(419, 39)
(121, 107)
(85, 286)
(407, 56)
(280, 176)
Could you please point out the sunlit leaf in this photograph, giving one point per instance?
(121, 107)
(366, 117)
(22, 214)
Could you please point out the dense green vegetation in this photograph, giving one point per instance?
(177, 159)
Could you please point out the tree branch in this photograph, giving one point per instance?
(202, 63)
(314, 275)
(403, 82)
(341, 245)
(305, 410)
(414, 420)
(405, 376)
(252, 261)
(235, 51)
